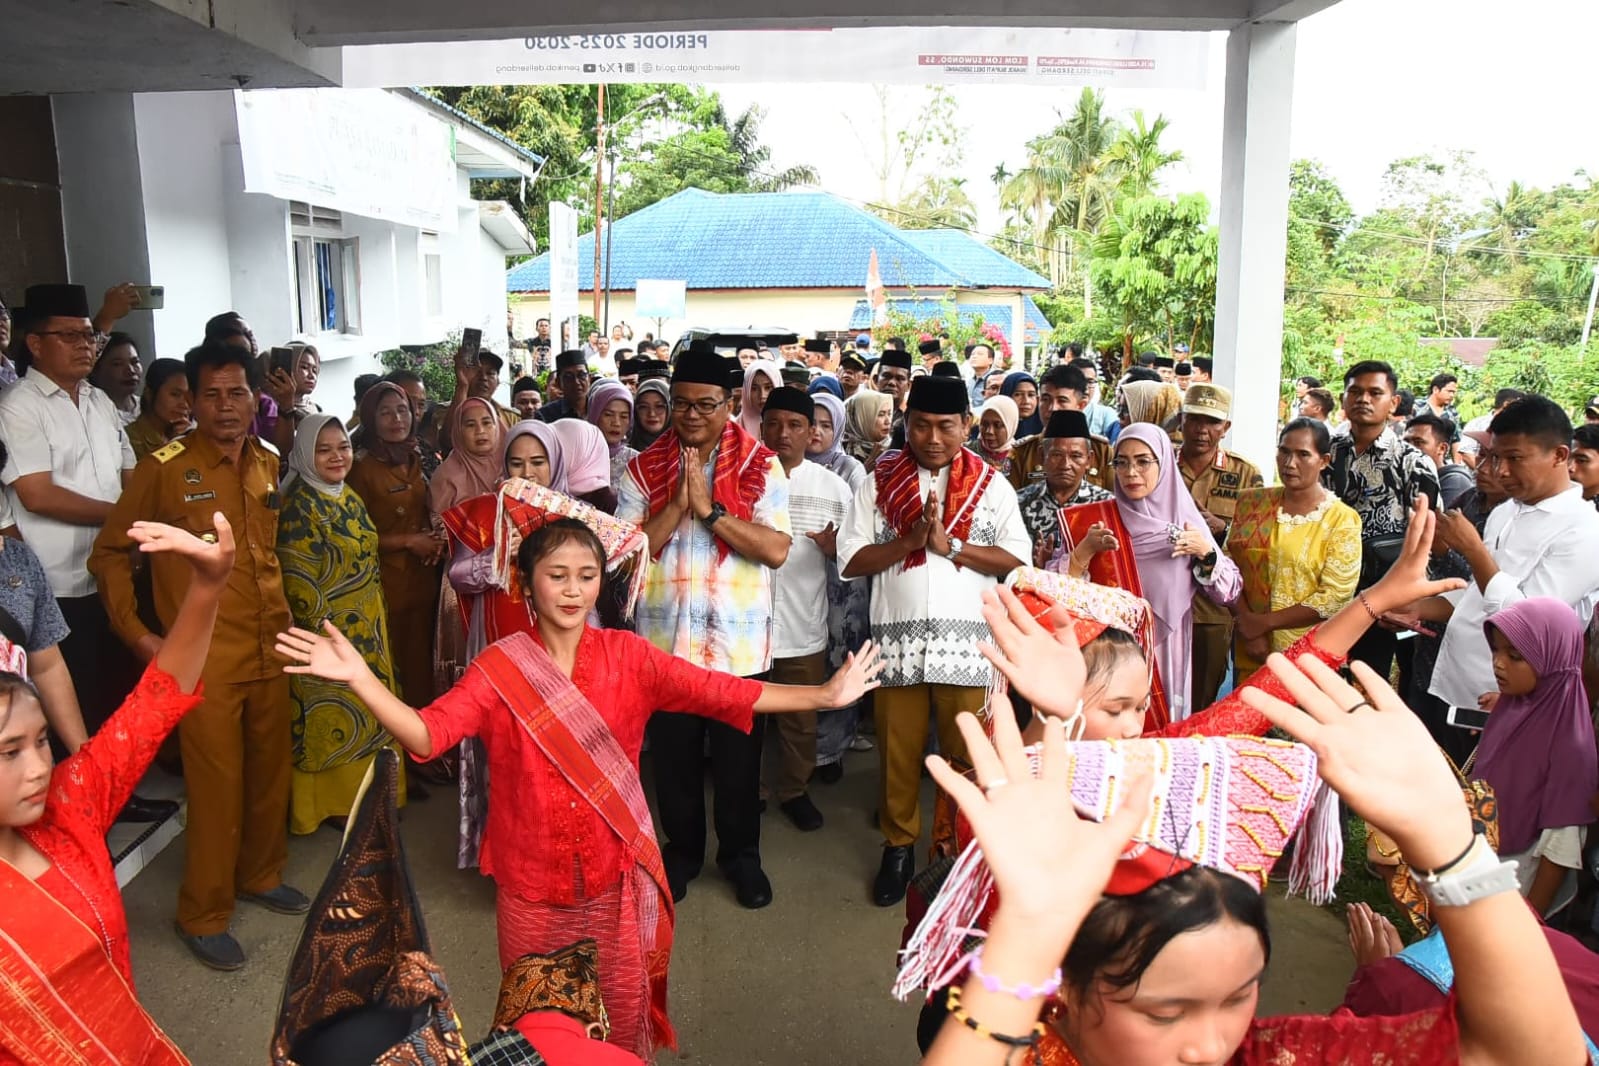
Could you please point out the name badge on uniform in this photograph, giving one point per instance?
(196, 497)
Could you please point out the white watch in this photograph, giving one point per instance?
(955, 546)
(1479, 874)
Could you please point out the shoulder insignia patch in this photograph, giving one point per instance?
(168, 452)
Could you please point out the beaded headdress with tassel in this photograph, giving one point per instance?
(1231, 804)
(522, 506)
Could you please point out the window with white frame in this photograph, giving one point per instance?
(432, 275)
(327, 271)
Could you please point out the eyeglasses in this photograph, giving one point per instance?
(70, 336)
(704, 407)
(1142, 463)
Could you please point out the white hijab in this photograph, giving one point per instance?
(302, 457)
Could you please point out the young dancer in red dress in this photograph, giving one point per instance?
(562, 711)
(66, 980)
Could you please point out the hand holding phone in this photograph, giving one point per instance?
(471, 343)
(1467, 718)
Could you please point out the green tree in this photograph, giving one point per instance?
(1137, 156)
(940, 203)
(1154, 266)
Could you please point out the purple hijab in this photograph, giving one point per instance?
(545, 434)
(1537, 750)
(1168, 582)
(600, 397)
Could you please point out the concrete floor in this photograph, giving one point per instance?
(803, 982)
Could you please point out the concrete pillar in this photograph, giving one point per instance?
(1254, 232)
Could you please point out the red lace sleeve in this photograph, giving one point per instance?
(459, 713)
(1426, 1038)
(99, 779)
(1231, 716)
(691, 689)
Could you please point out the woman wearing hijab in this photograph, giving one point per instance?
(761, 377)
(388, 478)
(827, 441)
(1175, 553)
(1020, 387)
(326, 543)
(1155, 402)
(1537, 750)
(652, 412)
(611, 412)
(868, 420)
(586, 460)
(995, 432)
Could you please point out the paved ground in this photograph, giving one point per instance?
(802, 982)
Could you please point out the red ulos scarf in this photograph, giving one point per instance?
(899, 495)
(62, 1000)
(742, 463)
(574, 737)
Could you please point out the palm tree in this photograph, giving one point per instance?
(744, 140)
(1081, 144)
(1032, 193)
(939, 203)
(1138, 156)
(1507, 219)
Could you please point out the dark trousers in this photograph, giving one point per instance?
(103, 670)
(678, 745)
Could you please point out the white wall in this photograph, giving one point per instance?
(102, 202)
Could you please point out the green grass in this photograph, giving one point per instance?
(1357, 885)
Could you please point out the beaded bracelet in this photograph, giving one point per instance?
(1361, 596)
(1022, 991)
(1015, 1043)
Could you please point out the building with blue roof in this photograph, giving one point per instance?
(795, 259)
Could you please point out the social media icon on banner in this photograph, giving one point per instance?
(590, 68)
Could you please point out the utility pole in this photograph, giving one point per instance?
(1587, 323)
(610, 212)
(599, 195)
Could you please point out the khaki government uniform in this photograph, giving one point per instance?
(1215, 489)
(237, 749)
(1027, 463)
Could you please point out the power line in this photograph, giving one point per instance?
(1432, 243)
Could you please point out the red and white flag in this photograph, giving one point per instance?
(876, 295)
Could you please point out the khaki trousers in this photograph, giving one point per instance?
(1212, 645)
(796, 733)
(237, 753)
(903, 713)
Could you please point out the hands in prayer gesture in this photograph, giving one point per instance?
(1372, 937)
(1045, 667)
(693, 493)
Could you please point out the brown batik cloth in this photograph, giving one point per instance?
(567, 981)
(362, 966)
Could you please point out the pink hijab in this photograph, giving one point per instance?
(585, 456)
(748, 416)
(1537, 750)
(462, 476)
(1168, 582)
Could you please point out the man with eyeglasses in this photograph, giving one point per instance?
(1102, 420)
(713, 502)
(67, 461)
(572, 374)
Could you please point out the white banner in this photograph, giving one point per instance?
(563, 272)
(366, 152)
(1139, 59)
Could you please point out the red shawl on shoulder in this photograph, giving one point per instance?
(900, 500)
(742, 463)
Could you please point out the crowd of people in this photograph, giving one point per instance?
(889, 550)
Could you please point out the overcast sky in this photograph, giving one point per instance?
(1376, 80)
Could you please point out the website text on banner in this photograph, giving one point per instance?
(1134, 59)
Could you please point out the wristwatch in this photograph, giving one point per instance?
(955, 546)
(1477, 874)
(718, 512)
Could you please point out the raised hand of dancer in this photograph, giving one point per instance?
(328, 655)
(856, 677)
(210, 560)
(1045, 667)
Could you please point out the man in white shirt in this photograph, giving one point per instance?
(818, 501)
(68, 458)
(1543, 541)
(935, 526)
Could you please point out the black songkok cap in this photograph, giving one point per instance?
(736, 378)
(796, 373)
(895, 357)
(1165, 362)
(1066, 424)
(655, 368)
(629, 366)
(1184, 369)
(54, 301)
(820, 347)
(851, 361)
(788, 398)
(702, 365)
(571, 357)
(1204, 362)
(934, 395)
(946, 369)
(931, 347)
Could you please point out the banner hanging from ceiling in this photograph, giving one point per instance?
(1135, 59)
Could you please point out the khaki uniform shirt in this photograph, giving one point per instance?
(1027, 463)
(183, 484)
(1216, 490)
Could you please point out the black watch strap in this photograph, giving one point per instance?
(718, 512)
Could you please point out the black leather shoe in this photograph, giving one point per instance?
(803, 813)
(139, 809)
(829, 773)
(750, 886)
(678, 875)
(894, 876)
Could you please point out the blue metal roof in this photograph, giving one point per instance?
(926, 308)
(784, 240)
